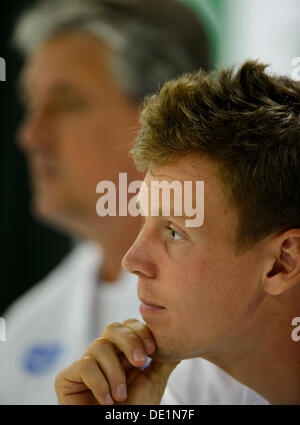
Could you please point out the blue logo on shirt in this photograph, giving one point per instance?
(40, 358)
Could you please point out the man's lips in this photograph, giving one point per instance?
(148, 306)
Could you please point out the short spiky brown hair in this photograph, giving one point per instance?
(249, 123)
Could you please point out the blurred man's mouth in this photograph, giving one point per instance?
(43, 170)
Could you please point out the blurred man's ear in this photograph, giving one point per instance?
(284, 271)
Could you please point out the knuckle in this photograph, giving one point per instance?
(58, 380)
(101, 343)
(113, 326)
(132, 340)
(131, 322)
(137, 326)
(135, 340)
(85, 362)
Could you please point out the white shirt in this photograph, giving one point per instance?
(54, 323)
(197, 381)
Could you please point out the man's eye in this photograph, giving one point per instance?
(175, 236)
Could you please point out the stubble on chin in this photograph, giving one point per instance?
(166, 351)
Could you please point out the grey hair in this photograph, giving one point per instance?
(152, 40)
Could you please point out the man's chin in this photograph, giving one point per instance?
(48, 212)
(59, 216)
(42, 208)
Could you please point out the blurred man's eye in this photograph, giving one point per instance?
(68, 104)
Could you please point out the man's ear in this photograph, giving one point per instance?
(284, 271)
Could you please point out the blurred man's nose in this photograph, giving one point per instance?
(34, 133)
(138, 259)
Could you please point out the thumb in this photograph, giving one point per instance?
(159, 373)
(147, 386)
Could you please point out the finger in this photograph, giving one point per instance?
(95, 380)
(143, 333)
(155, 379)
(159, 374)
(82, 383)
(70, 389)
(127, 342)
(104, 352)
(124, 362)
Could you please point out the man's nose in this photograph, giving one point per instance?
(139, 259)
(34, 133)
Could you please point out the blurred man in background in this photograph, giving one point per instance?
(89, 65)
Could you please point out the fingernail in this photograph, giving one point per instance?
(121, 391)
(149, 345)
(138, 356)
(108, 399)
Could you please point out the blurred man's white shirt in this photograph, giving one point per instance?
(54, 323)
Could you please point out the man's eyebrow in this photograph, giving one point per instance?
(181, 217)
(60, 88)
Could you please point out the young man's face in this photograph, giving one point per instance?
(78, 126)
(205, 296)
